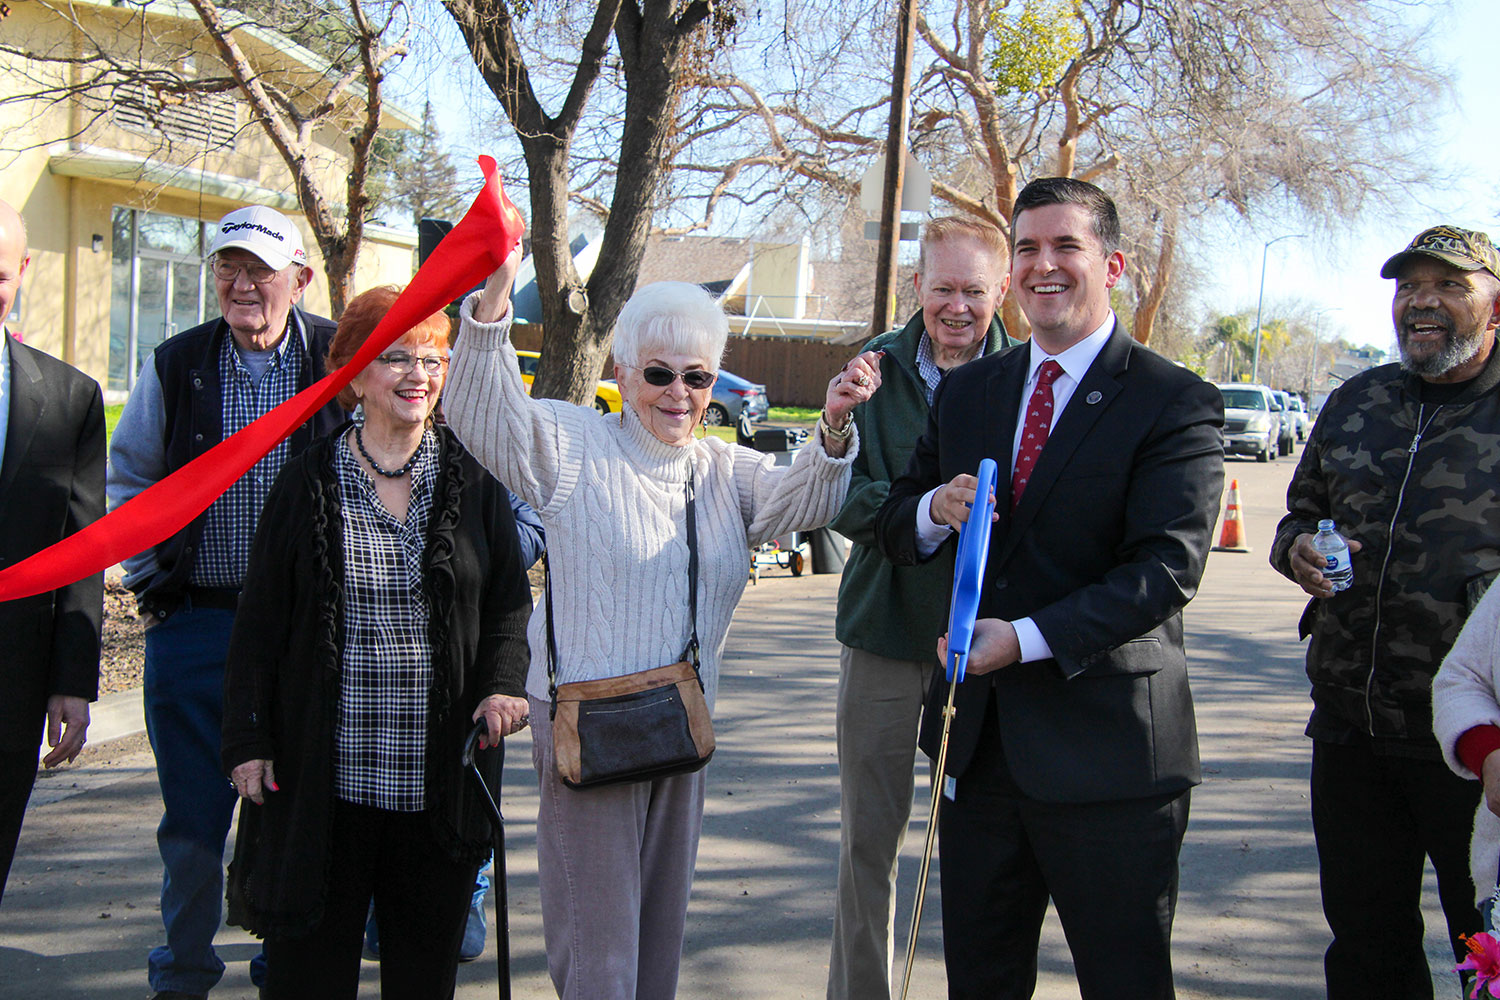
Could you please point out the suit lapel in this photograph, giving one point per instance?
(27, 404)
(1090, 400)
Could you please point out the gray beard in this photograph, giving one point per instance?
(1456, 350)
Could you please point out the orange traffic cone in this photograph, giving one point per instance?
(1232, 536)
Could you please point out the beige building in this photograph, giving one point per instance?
(120, 188)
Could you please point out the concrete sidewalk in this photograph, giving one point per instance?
(81, 910)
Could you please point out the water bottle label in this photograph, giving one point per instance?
(1340, 570)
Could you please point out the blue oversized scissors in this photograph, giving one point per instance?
(968, 572)
(968, 582)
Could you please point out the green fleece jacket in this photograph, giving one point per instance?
(894, 611)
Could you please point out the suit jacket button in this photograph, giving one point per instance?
(198, 436)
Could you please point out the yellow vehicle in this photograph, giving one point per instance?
(606, 393)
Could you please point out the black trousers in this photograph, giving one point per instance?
(1376, 818)
(17, 775)
(421, 901)
(1109, 867)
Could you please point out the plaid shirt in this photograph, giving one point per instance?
(229, 526)
(928, 369)
(380, 741)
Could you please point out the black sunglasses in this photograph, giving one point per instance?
(660, 375)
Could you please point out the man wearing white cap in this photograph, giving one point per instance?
(200, 387)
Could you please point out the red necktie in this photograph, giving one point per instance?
(1034, 433)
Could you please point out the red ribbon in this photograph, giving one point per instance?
(475, 247)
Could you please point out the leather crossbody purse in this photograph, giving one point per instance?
(638, 727)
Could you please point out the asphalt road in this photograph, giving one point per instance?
(81, 910)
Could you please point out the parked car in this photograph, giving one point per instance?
(1252, 421)
(1303, 418)
(606, 394)
(732, 395)
(1286, 440)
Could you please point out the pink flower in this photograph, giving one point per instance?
(1484, 962)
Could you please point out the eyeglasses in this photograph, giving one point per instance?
(661, 375)
(230, 270)
(405, 364)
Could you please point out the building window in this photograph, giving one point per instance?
(205, 121)
(159, 286)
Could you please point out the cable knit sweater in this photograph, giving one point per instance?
(610, 494)
(1465, 694)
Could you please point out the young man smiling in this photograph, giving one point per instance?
(1074, 746)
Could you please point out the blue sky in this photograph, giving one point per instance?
(1336, 274)
(1342, 273)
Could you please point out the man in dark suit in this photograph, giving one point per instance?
(1074, 744)
(51, 485)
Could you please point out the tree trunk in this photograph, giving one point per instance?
(573, 350)
(650, 40)
(1149, 295)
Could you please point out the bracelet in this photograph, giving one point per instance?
(839, 434)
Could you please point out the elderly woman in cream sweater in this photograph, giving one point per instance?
(616, 862)
(1466, 722)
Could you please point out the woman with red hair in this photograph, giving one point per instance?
(384, 609)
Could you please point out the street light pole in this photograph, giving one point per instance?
(1255, 364)
(1312, 359)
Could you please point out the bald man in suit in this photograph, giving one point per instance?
(51, 485)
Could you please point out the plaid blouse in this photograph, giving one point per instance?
(380, 739)
(229, 526)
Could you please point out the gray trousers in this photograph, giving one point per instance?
(615, 867)
(879, 708)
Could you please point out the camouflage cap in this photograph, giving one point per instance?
(1463, 248)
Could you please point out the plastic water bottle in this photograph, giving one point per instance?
(1338, 571)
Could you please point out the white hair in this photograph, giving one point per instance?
(671, 317)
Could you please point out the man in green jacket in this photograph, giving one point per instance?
(890, 617)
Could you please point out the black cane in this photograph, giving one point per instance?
(497, 823)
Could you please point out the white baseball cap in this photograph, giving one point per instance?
(263, 231)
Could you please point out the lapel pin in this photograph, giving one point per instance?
(1094, 397)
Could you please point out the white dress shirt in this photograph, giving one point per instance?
(4, 387)
(1075, 363)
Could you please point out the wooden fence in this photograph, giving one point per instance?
(794, 372)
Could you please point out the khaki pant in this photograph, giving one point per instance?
(615, 867)
(879, 707)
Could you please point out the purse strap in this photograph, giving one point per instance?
(690, 653)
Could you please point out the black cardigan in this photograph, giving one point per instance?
(281, 681)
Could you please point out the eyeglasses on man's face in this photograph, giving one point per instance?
(401, 363)
(661, 375)
(230, 270)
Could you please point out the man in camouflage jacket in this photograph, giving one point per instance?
(1403, 459)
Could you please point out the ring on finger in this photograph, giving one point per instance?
(862, 381)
